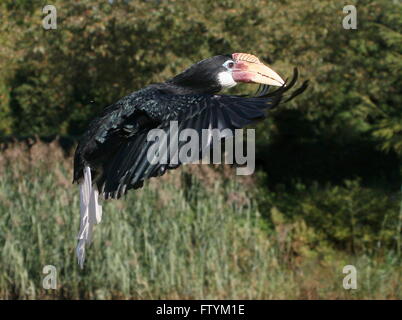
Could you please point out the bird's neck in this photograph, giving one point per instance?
(174, 88)
(190, 83)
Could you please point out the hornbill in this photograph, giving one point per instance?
(111, 157)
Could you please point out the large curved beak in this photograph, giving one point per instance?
(248, 68)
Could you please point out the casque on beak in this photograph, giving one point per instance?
(248, 68)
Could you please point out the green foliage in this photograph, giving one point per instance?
(352, 218)
(345, 133)
(102, 51)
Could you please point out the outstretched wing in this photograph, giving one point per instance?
(130, 164)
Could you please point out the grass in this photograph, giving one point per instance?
(196, 233)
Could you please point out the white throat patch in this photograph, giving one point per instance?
(226, 80)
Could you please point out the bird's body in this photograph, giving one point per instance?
(113, 151)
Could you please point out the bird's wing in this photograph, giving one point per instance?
(130, 165)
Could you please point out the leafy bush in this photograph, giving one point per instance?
(350, 217)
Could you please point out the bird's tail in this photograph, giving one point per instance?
(90, 212)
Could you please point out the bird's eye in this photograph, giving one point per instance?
(229, 64)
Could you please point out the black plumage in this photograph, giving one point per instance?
(115, 145)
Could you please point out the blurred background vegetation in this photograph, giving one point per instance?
(326, 192)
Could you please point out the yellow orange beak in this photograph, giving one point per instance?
(248, 68)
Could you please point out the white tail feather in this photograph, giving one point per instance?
(90, 212)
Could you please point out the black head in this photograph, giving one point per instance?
(206, 76)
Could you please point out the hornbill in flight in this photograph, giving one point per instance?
(111, 157)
